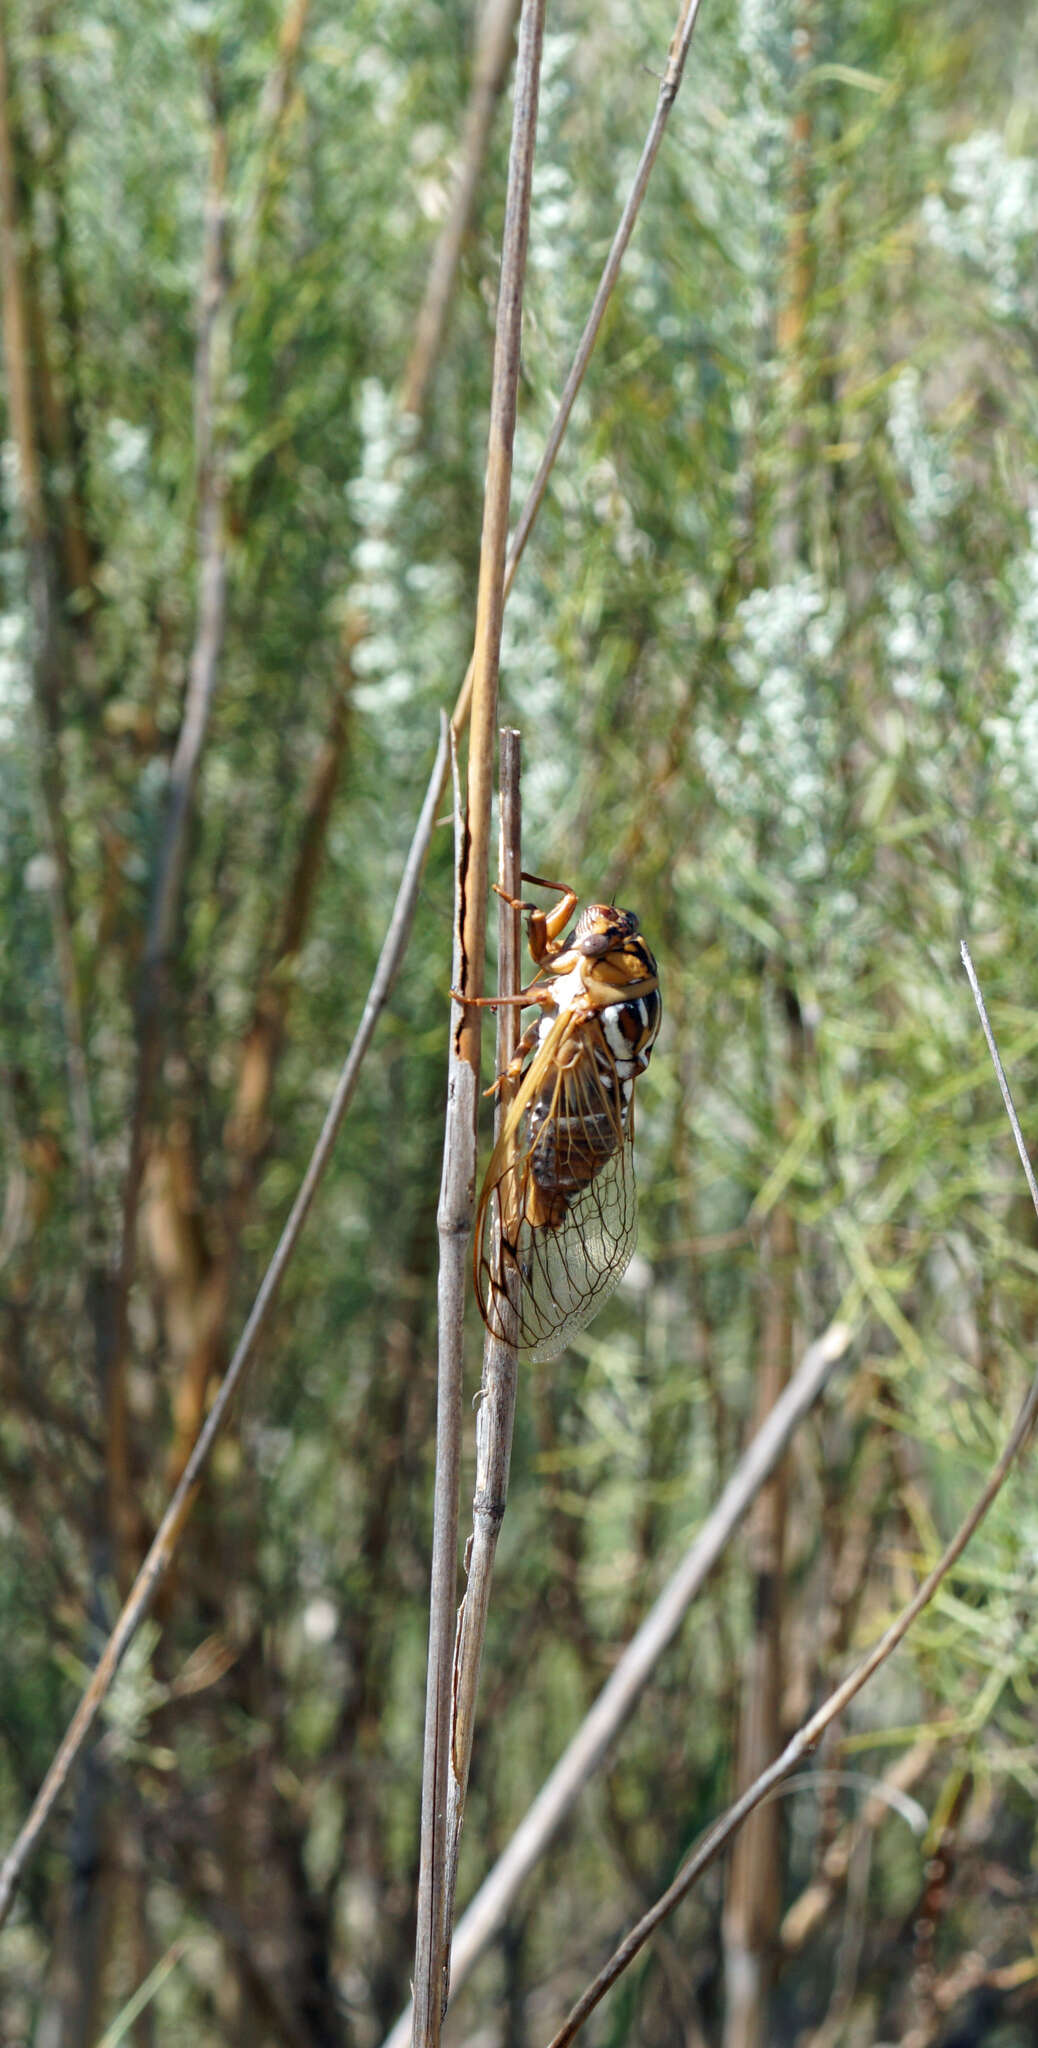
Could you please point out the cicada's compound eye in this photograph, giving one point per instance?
(601, 927)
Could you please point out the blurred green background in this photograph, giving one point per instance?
(774, 653)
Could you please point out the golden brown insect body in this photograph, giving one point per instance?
(557, 1215)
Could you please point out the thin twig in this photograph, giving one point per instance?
(496, 29)
(688, 15)
(1014, 1121)
(495, 1416)
(668, 92)
(616, 1701)
(807, 1737)
(454, 1225)
(454, 1219)
(157, 1561)
(494, 541)
(210, 368)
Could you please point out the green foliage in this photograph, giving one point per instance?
(774, 652)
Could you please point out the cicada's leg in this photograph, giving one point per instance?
(536, 993)
(600, 994)
(525, 1047)
(546, 926)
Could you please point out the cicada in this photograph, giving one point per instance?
(557, 1215)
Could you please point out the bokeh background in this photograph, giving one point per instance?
(774, 653)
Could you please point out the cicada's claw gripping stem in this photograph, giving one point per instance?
(525, 995)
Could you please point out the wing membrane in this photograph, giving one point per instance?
(558, 1212)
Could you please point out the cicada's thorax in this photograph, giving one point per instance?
(606, 1046)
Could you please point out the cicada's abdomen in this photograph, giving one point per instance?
(568, 1146)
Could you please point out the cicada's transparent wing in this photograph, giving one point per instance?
(570, 1269)
(558, 1214)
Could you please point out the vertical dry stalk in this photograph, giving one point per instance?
(496, 1413)
(494, 542)
(454, 1218)
(454, 1224)
(495, 41)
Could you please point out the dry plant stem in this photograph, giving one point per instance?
(495, 1416)
(616, 1701)
(454, 1225)
(1014, 1121)
(459, 1161)
(167, 1536)
(807, 1737)
(495, 42)
(494, 541)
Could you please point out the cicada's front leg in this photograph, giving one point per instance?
(545, 927)
(599, 993)
(544, 935)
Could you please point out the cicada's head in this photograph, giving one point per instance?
(601, 929)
